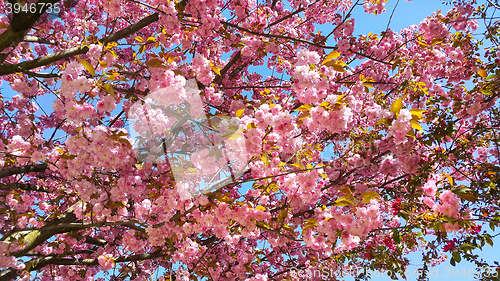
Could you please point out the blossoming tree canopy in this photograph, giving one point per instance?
(233, 140)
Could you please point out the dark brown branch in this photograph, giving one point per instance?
(43, 75)
(37, 237)
(276, 36)
(28, 65)
(223, 71)
(41, 262)
(23, 186)
(67, 222)
(116, 118)
(288, 16)
(238, 69)
(34, 39)
(370, 57)
(131, 29)
(95, 241)
(20, 25)
(342, 23)
(46, 60)
(9, 274)
(39, 168)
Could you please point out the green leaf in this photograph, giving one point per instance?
(417, 112)
(272, 187)
(88, 66)
(396, 106)
(156, 63)
(215, 69)
(264, 225)
(325, 105)
(488, 240)
(337, 65)
(264, 158)
(467, 247)
(456, 256)
(367, 85)
(299, 165)
(251, 125)
(368, 195)
(468, 196)
(233, 136)
(304, 107)
(331, 56)
(450, 179)
(282, 215)
(310, 223)
(304, 115)
(461, 189)
(240, 112)
(109, 89)
(395, 236)
(415, 125)
(347, 191)
(289, 229)
(491, 77)
(342, 201)
(411, 133)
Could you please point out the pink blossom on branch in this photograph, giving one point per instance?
(232, 140)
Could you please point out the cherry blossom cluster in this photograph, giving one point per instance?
(230, 140)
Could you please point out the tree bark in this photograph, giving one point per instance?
(21, 23)
(39, 168)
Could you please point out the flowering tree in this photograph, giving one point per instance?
(231, 140)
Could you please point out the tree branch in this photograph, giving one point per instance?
(276, 36)
(46, 60)
(370, 57)
(28, 65)
(42, 75)
(34, 39)
(23, 186)
(20, 25)
(95, 241)
(223, 72)
(36, 237)
(131, 29)
(39, 168)
(67, 223)
(289, 15)
(39, 263)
